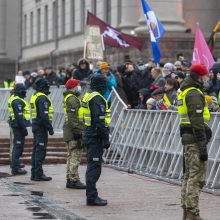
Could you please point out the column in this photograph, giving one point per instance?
(170, 13)
(129, 15)
(2, 27)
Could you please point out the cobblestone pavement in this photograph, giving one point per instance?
(130, 197)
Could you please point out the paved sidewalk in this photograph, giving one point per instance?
(130, 197)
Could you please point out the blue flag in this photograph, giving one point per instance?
(155, 28)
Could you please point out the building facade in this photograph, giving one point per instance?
(10, 37)
(52, 30)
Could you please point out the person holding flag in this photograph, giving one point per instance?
(155, 28)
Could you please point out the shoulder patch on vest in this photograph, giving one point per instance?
(180, 102)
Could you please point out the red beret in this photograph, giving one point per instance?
(199, 69)
(72, 83)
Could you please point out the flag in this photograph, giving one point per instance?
(155, 28)
(201, 53)
(212, 39)
(112, 36)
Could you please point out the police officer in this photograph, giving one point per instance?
(19, 121)
(96, 116)
(42, 114)
(194, 116)
(72, 133)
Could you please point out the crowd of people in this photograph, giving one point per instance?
(142, 85)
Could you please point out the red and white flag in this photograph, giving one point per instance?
(112, 36)
(201, 53)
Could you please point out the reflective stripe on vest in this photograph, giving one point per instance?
(183, 109)
(85, 112)
(65, 106)
(34, 108)
(9, 85)
(26, 109)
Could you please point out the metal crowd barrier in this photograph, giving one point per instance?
(148, 143)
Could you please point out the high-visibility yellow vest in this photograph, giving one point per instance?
(9, 85)
(26, 110)
(34, 108)
(65, 106)
(183, 109)
(85, 112)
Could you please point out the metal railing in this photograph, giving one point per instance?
(148, 143)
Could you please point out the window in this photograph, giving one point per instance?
(82, 14)
(25, 30)
(63, 14)
(32, 28)
(94, 7)
(38, 25)
(108, 11)
(46, 23)
(72, 16)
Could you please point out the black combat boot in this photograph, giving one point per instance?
(76, 185)
(42, 178)
(20, 171)
(97, 202)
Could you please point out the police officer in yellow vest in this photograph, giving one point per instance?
(96, 117)
(19, 121)
(42, 115)
(72, 133)
(9, 83)
(195, 133)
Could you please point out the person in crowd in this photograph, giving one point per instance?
(195, 133)
(72, 133)
(52, 77)
(42, 115)
(62, 75)
(27, 76)
(128, 85)
(111, 81)
(19, 78)
(96, 117)
(144, 95)
(19, 120)
(158, 78)
(178, 65)
(214, 77)
(82, 73)
(180, 57)
(170, 90)
(142, 77)
(9, 83)
(151, 104)
(180, 76)
(168, 71)
(158, 95)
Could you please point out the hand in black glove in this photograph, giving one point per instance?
(51, 132)
(77, 137)
(105, 144)
(25, 132)
(203, 154)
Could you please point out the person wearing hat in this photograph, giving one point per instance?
(194, 116)
(96, 117)
(19, 120)
(180, 76)
(72, 133)
(83, 72)
(42, 116)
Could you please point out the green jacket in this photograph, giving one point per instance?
(195, 101)
(73, 125)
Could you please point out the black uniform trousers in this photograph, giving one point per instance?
(94, 166)
(18, 147)
(39, 151)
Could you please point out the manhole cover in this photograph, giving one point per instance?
(3, 175)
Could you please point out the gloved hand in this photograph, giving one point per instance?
(51, 132)
(25, 132)
(77, 137)
(203, 154)
(105, 144)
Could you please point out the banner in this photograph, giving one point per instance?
(93, 44)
